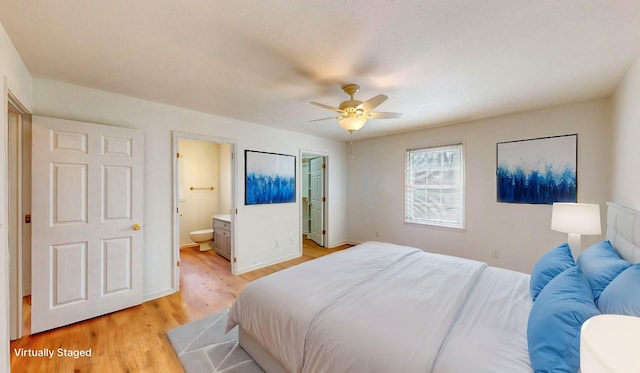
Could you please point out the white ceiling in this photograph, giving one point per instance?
(439, 61)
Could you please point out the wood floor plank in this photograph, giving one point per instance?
(134, 339)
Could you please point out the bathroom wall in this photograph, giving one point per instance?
(204, 165)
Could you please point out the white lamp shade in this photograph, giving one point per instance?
(352, 123)
(577, 218)
(610, 344)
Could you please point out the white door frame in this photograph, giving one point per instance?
(177, 135)
(14, 222)
(307, 152)
(4, 238)
(15, 261)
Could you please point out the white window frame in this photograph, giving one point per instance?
(412, 215)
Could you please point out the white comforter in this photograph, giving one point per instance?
(372, 308)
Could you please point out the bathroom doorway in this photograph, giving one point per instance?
(204, 184)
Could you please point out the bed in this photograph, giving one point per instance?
(380, 307)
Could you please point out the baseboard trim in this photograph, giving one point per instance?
(157, 294)
(266, 264)
(353, 243)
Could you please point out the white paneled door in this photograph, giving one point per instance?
(87, 211)
(316, 210)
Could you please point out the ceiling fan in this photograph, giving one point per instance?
(352, 113)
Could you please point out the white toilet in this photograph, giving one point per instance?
(204, 238)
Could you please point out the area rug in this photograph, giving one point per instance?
(202, 346)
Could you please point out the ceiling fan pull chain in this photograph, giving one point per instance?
(351, 145)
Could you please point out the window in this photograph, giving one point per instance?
(435, 186)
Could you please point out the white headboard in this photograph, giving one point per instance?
(623, 231)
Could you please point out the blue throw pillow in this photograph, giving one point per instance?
(601, 263)
(622, 296)
(553, 331)
(549, 266)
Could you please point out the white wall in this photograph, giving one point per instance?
(19, 80)
(257, 227)
(625, 181)
(521, 233)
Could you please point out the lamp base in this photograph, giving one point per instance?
(575, 244)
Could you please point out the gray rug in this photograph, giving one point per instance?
(202, 346)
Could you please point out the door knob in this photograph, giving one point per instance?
(135, 227)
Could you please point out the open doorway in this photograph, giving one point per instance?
(313, 175)
(204, 184)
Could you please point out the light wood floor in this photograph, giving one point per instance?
(134, 340)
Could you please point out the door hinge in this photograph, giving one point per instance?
(323, 199)
(178, 263)
(177, 155)
(324, 165)
(27, 218)
(235, 259)
(324, 232)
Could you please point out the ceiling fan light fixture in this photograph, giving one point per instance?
(352, 122)
(352, 113)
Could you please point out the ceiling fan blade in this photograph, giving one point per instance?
(318, 120)
(372, 103)
(382, 115)
(327, 107)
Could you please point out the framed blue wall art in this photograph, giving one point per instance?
(269, 178)
(538, 171)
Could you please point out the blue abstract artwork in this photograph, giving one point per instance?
(538, 171)
(270, 178)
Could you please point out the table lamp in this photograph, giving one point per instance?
(576, 219)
